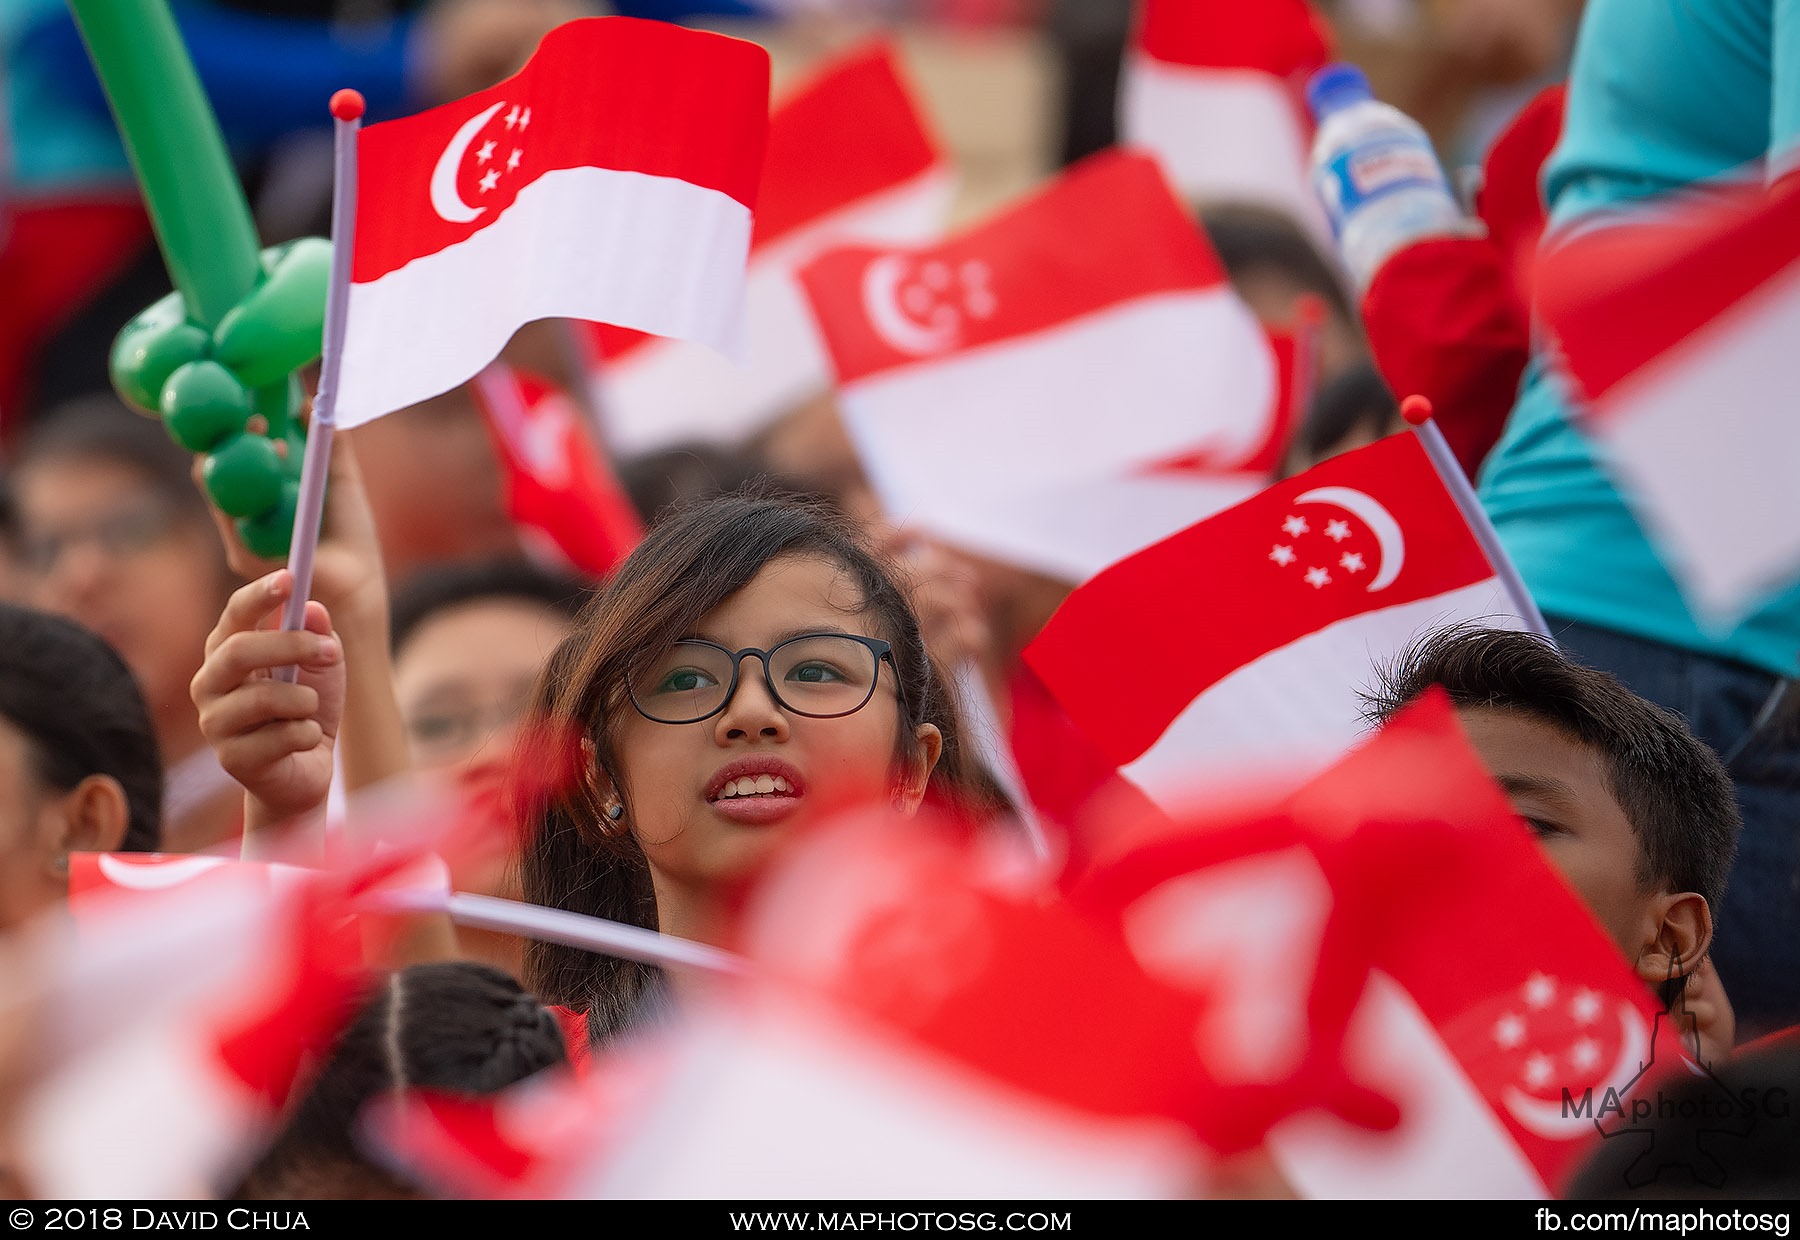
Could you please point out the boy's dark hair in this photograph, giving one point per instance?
(1674, 790)
(433, 588)
(81, 712)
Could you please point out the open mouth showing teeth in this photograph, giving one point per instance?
(755, 785)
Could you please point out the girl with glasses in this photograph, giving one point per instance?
(750, 670)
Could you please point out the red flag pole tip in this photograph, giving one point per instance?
(1416, 410)
(347, 105)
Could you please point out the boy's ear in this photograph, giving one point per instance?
(1681, 935)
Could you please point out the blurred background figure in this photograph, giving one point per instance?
(115, 535)
(1350, 410)
(79, 767)
(469, 639)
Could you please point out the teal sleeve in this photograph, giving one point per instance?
(1784, 89)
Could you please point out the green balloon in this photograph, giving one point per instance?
(243, 475)
(152, 347)
(204, 404)
(280, 326)
(268, 534)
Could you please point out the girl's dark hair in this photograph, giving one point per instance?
(689, 563)
(452, 1026)
(81, 713)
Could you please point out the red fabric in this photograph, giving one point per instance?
(1444, 321)
(53, 259)
(606, 92)
(1448, 318)
(575, 1035)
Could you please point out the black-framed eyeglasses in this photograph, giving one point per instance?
(818, 675)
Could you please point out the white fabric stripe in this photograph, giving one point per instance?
(653, 253)
(148, 1116)
(1449, 1144)
(668, 391)
(1223, 134)
(1288, 715)
(1705, 441)
(791, 1107)
(1097, 396)
(1072, 531)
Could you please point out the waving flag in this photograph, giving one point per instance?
(850, 159)
(1680, 330)
(1212, 88)
(1237, 648)
(567, 504)
(1026, 367)
(612, 178)
(1478, 1022)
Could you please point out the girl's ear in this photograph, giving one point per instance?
(912, 789)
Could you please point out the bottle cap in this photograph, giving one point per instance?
(1336, 86)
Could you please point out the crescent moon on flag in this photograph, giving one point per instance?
(1380, 520)
(444, 198)
(1546, 1118)
(881, 302)
(156, 876)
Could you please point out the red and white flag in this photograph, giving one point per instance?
(1510, 1030)
(850, 158)
(1213, 88)
(186, 1007)
(999, 387)
(1680, 330)
(612, 178)
(1264, 623)
(558, 489)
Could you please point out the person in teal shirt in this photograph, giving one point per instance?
(1666, 96)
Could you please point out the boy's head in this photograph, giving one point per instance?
(1635, 812)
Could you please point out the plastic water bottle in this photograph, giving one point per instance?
(1376, 174)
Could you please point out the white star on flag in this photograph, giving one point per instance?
(1584, 1055)
(512, 117)
(1283, 554)
(486, 152)
(1538, 1071)
(1295, 526)
(1317, 578)
(1351, 562)
(1585, 1007)
(489, 179)
(525, 118)
(1337, 531)
(1509, 1031)
(512, 161)
(1538, 992)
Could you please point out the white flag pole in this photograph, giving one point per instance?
(1416, 410)
(990, 743)
(555, 925)
(347, 109)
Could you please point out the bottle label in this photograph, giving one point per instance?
(1366, 172)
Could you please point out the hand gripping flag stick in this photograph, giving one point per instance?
(347, 112)
(1416, 410)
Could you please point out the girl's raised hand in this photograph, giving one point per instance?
(274, 738)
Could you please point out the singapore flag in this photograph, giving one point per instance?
(1680, 328)
(1237, 649)
(850, 159)
(1212, 89)
(613, 178)
(1021, 388)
